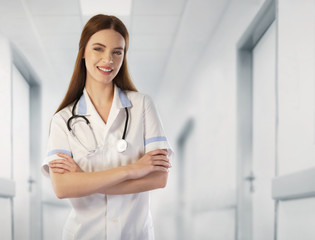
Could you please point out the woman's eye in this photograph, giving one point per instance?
(98, 49)
(117, 52)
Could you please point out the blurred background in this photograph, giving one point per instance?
(233, 81)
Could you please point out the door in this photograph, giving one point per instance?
(21, 155)
(263, 152)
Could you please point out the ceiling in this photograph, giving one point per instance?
(166, 36)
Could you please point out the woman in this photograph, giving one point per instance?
(106, 147)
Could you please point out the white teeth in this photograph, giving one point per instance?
(104, 69)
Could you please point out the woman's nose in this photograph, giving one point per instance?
(107, 58)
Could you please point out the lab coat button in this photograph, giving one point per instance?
(114, 220)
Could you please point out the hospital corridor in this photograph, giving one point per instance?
(229, 92)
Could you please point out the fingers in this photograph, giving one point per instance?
(66, 163)
(61, 165)
(158, 160)
(164, 164)
(58, 170)
(66, 159)
(160, 157)
(66, 156)
(158, 152)
(161, 169)
(60, 162)
(161, 160)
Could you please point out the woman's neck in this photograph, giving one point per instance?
(100, 94)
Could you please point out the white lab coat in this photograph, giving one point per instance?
(100, 216)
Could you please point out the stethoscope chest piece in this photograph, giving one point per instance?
(121, 145)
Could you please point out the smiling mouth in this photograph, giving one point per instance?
(105, 69)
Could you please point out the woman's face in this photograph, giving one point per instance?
(104, 54)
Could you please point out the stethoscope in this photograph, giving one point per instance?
(121, 144)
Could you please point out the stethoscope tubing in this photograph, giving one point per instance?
(88, 122)
(126, 123)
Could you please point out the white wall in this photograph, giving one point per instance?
(5, 100)
(296, 84)
(208, 94)
(296, 151)
(5, 131)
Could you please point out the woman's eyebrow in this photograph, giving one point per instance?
(98, 44)
(121, 48)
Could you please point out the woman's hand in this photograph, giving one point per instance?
(67, 164)
(154, 161)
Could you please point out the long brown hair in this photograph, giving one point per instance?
(77, 83)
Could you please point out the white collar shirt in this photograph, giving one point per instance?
(99, 216)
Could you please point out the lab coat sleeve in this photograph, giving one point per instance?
(154, 136)
(57, 142)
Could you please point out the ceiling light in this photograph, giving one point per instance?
(111, 7)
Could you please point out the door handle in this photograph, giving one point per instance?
(251, 178)
(30, 181)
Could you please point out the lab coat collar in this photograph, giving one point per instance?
(85, 105)
(123, 100)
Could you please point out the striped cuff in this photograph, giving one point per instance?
(155, 139)
(53, 152)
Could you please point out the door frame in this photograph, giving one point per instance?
(182, 207)
(25, 69)
(244, 111)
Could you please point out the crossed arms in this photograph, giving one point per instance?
(148, 173)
